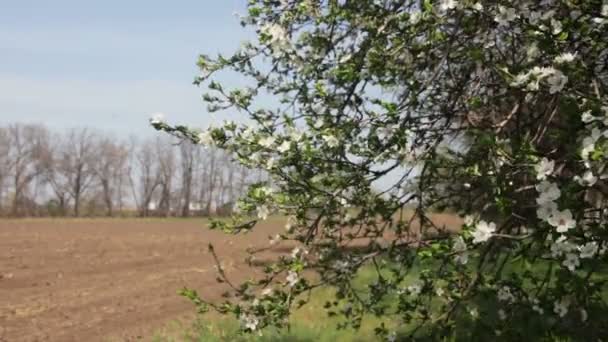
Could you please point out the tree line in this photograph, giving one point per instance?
(84, 172)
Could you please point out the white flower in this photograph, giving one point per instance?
(319, 123)
(157, 118)
(295, 252)
(561, 307)
(571, 262)
(291, 222)
(477, 6)
(538, 309)
(548, 192)
(587, 117)
(267, 292)
(267, 142)
(278, 36)
(295, 135)
(445, 5)
(544, 168)
(588, 179)
(556, 82)
(205, 138)
(532, 52)
(505, 15)
(546, 210)
(415, 17)
(331, 140)
(392, 337)
(460, 248)
(263, 212)
(284, 147)
(588, 250)
(561, 246)
(250, 322)
(504, 294)
(502, 315)
(270, 163)
(275, 239)
(414, 289)
(584, 315)
(439, 292)
(469, 220)
(589, 142)
(562, 221)
(557, 26)
(566, 57)
(483, 231)
(292, 278)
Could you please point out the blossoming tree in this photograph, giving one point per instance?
(496, 109)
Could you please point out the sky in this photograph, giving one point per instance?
(110, 64)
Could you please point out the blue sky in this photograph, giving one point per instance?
(109, 64)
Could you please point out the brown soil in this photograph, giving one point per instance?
(117, 280)
(108, 280)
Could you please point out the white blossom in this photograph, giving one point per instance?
(483, 231)
(504, 294)
(469, 220)
(588, 250)
(284, 147)
(562, 221)
(263, 212)
(157, 118)
(331, 140)
(566, 57)
(546, 210)
(250, 322)
(584, 315)
(292, 278)
(547, 192)
(505, 15)
(544, 168)
(205, 138)
(414, 289)
(291, 222)
(587, 117)
(502, 315)
(267, 142)
(571, 262)
(319, 123)
(561, 307)
(275, 239)
(556, 82)
(415, 17)
(588, 179)
(278, 36)
(460, 248)
(557, 26)
(267, 292)
(561, 246)
(445, 5)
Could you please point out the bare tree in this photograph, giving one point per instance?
(143, 174)
(55, 177)
(28, 143)
(109, 168)
(4, 164)
(166, 162)
(189, 157)
(77, 157)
